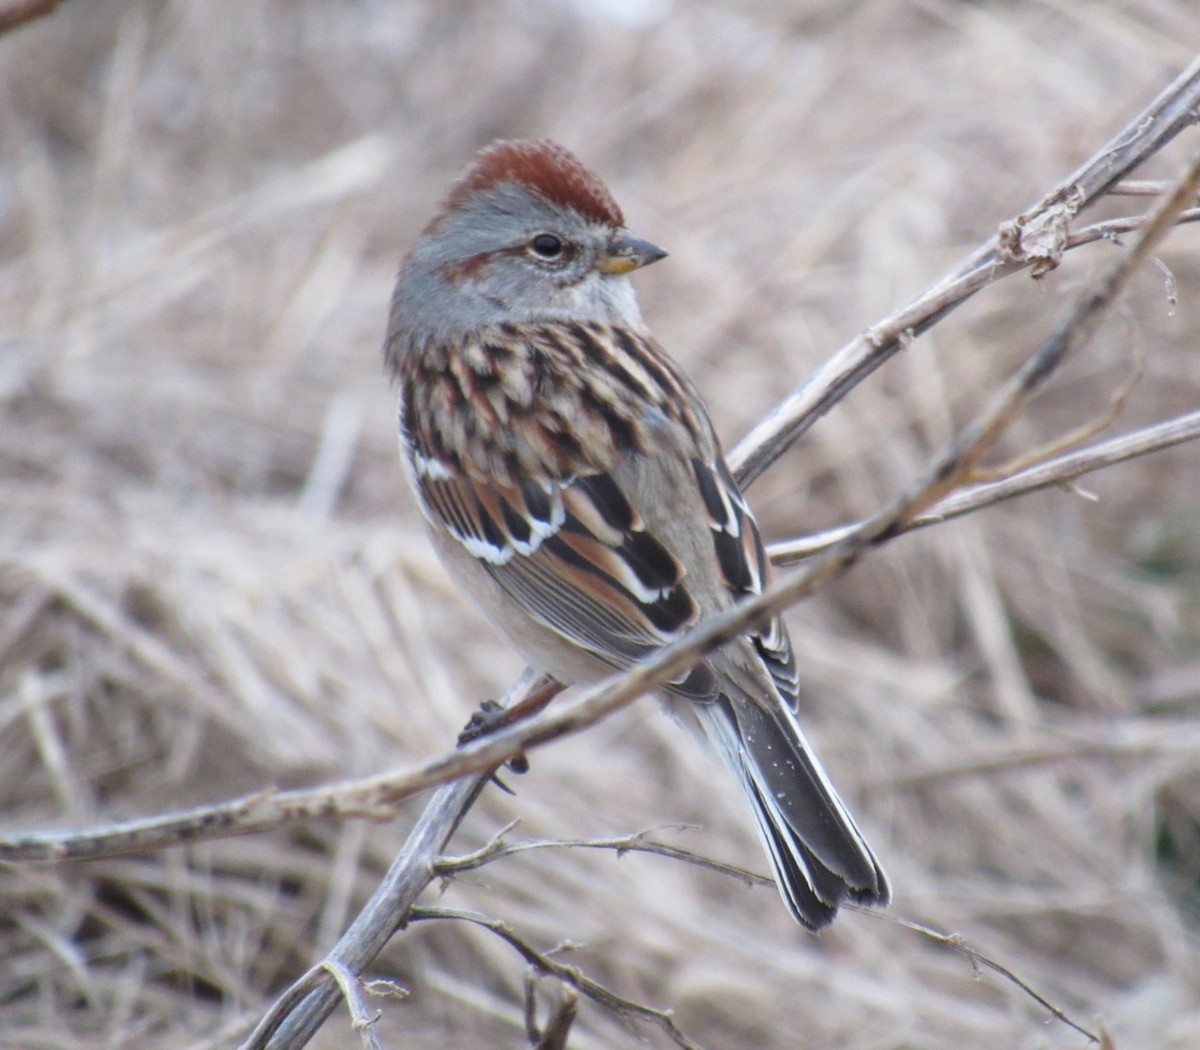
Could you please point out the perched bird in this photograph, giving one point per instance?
(575, 489)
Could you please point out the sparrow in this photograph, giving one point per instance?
(574, 487)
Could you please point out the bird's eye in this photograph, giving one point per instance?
(546, 246)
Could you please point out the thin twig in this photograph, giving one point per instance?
(376, 796)
(639, 843)
(1075, 329)
(956, 942)
(261, 811)
(498, 849)
(1139, 188)
(1112, 228)
(16, 13)
(530, 1012)
(295, 1017)
(570, 975)
(1172, 111)
(1056, 471)
(362, 1017)
(558, 1024)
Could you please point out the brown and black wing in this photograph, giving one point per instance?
(577, 558)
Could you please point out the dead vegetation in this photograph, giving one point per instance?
(212, 581)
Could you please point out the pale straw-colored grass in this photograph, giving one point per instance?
(212, 580)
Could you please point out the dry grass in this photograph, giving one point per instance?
(212, 580)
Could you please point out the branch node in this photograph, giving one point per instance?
(1039, 237)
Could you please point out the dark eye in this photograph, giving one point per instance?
(546, 246)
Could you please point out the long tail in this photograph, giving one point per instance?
(819, 856)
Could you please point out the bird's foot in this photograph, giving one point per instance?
(493, 718)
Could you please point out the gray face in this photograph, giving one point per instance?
(507, 254)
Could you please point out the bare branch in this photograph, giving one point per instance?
(530, 1018)
(375, 797)
(295, 1017)
(570, 975)
(956, 942)
(636, 843)
(1056, 471)
(303, 1008)
(1111, 228)
(1114, 227)
(362, 1017)
(558, 1024)
(1139, 188)
(16, 13)
(249, 814)
(1173, 110)
(639, 843)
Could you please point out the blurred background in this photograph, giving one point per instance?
(213, 580)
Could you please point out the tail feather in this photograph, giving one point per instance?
(819, 856)
(808, 888)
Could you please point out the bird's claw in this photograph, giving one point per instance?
(492, 718)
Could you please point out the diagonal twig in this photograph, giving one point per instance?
(1172, 111)
(570, 975)
(955, 942)
(640, 843)
(376, 797)
(14, 13)
(1058, 470)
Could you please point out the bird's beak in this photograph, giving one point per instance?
(627, 253)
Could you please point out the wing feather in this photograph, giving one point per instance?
(575, 555)
(743, 564)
